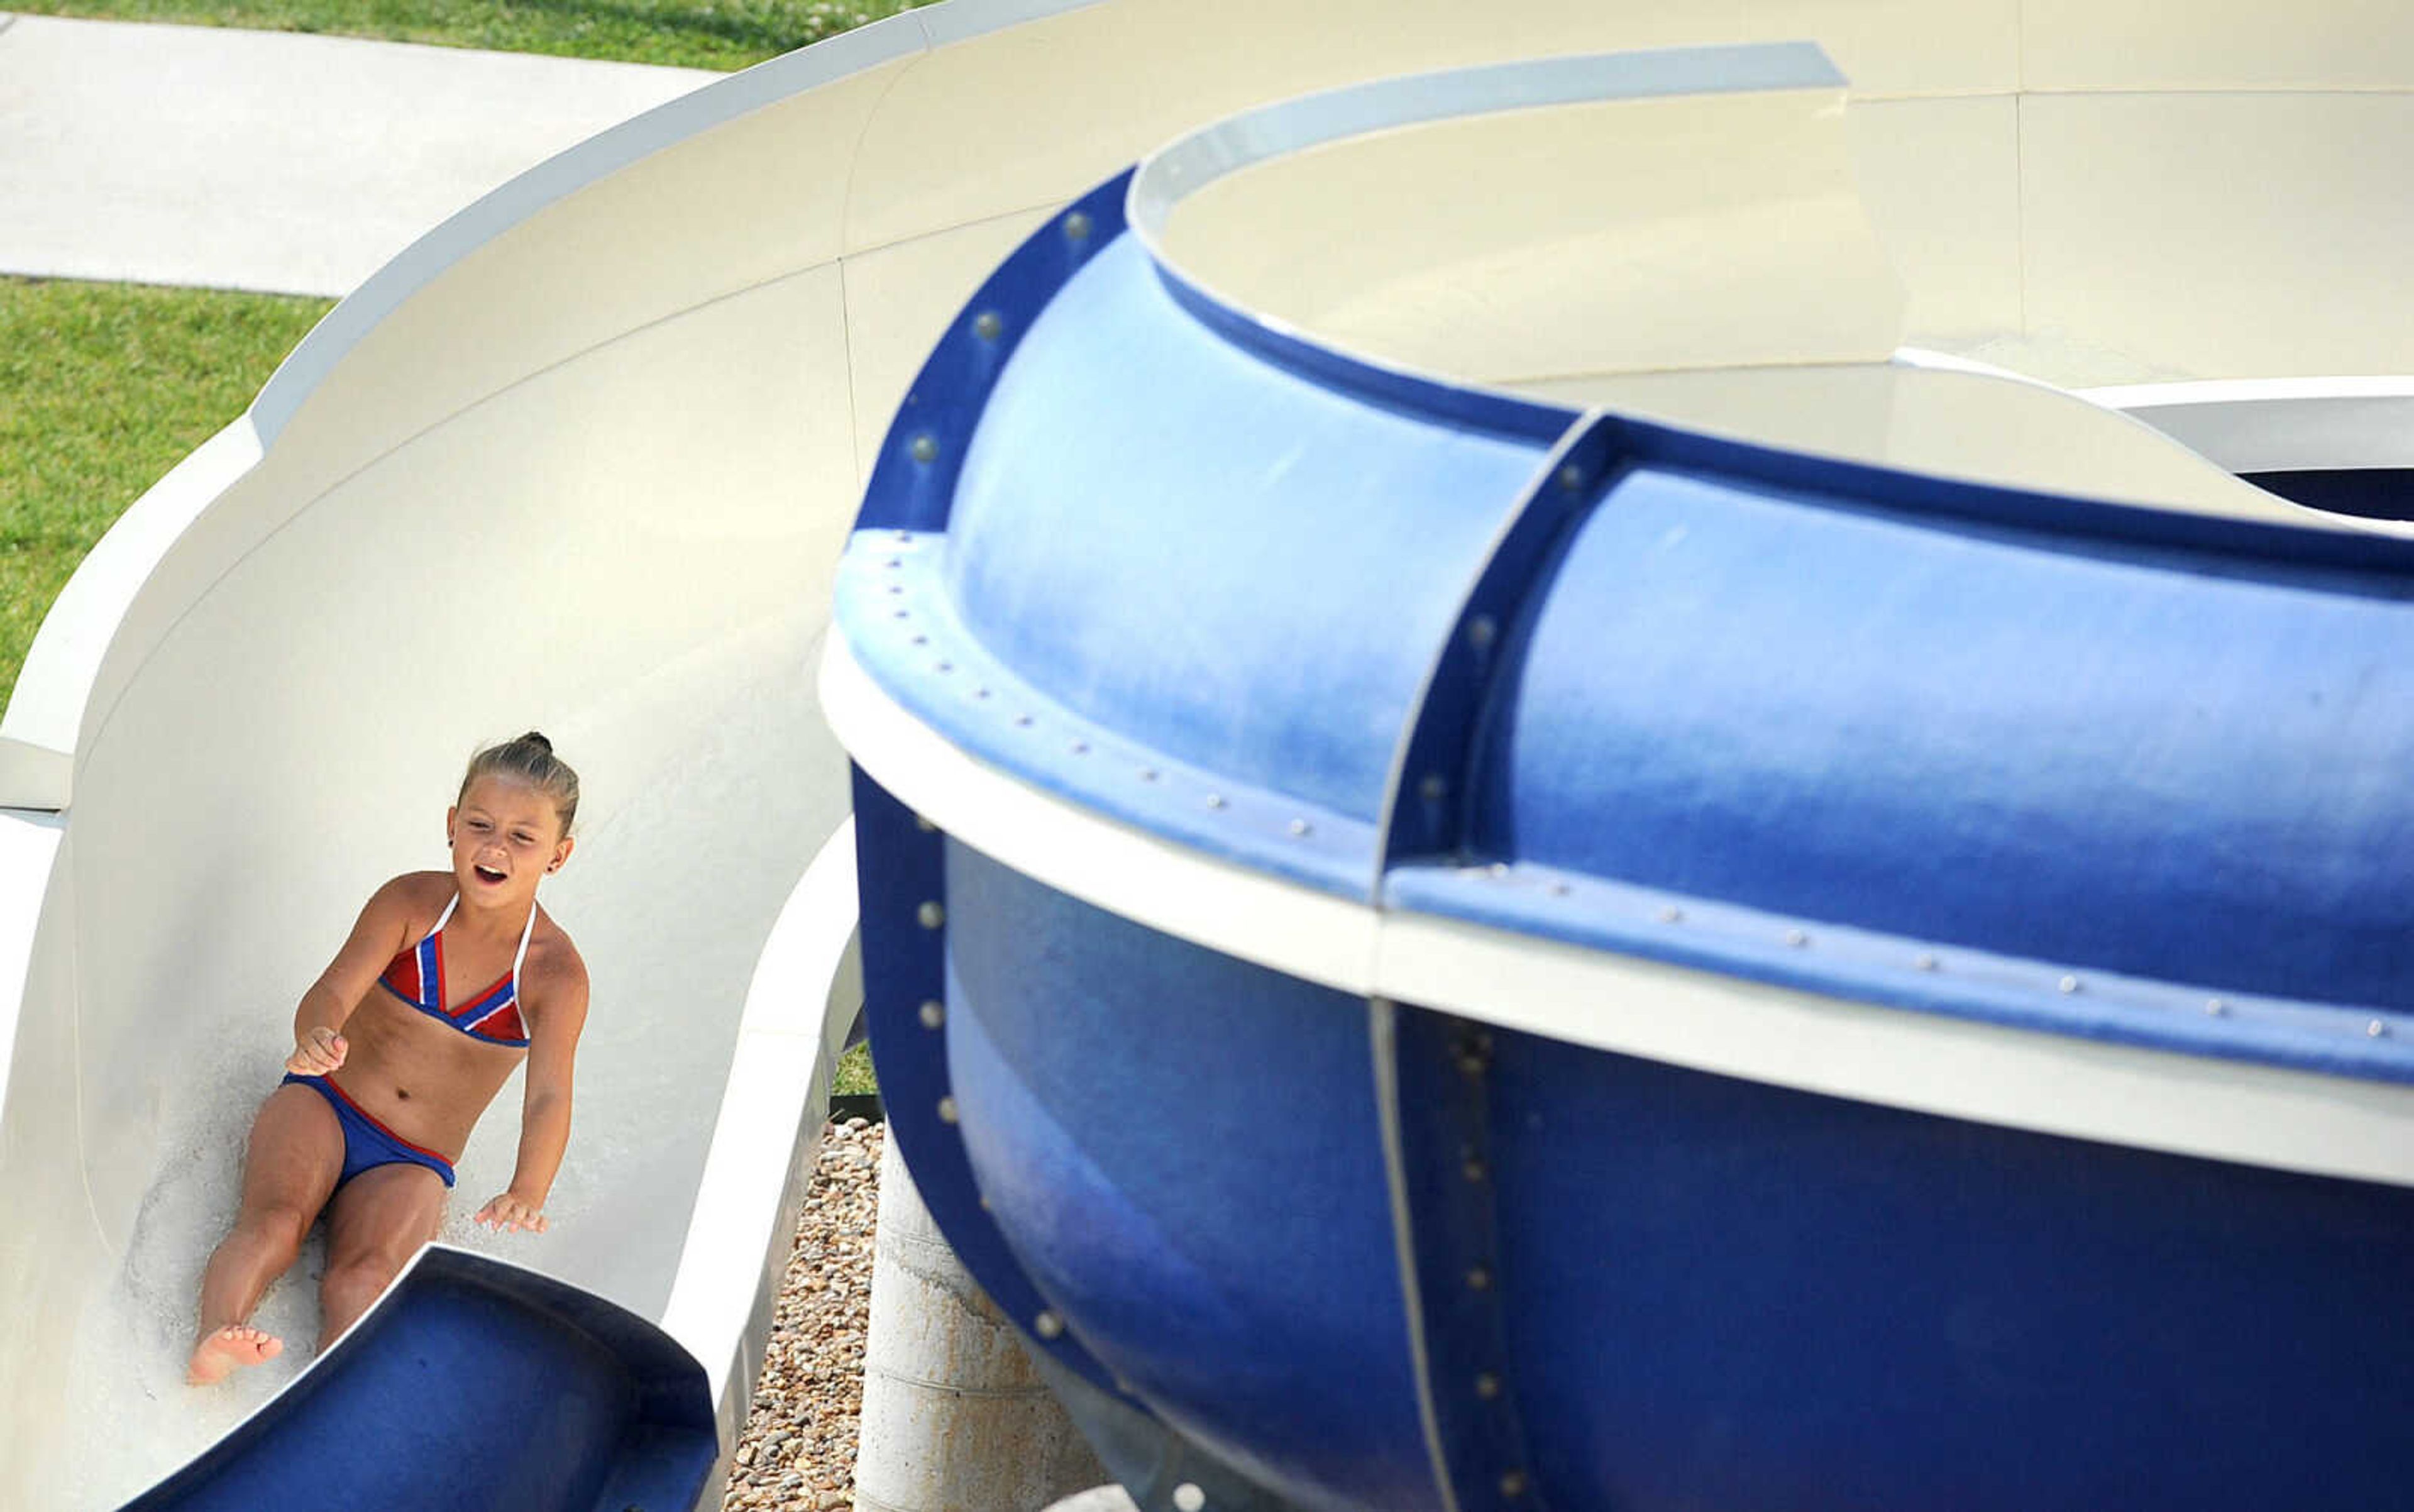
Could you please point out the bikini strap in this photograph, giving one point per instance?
(527, 931)
(442, 917)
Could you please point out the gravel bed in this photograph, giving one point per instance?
(796, 1453)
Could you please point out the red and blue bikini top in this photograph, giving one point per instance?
(416, 975)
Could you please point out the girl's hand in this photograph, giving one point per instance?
(320, 1050)
(509, 1212)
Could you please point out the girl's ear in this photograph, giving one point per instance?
(562, 853)
(452, 810)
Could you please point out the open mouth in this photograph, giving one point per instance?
(488, 875)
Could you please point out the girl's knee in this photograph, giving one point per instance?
(280, 1227)
(358, 1280)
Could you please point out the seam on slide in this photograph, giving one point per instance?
(75, 1040)
(846, 220)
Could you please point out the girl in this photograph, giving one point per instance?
(448, 982)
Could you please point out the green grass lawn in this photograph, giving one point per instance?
(696, 34)
(104, 387)
(853, 1075)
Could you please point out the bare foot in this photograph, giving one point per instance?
(219, 1354)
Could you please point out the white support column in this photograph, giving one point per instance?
(954, 1418)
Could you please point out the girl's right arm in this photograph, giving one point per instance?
(385, 923)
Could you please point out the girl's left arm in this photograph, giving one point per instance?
(544, 1113)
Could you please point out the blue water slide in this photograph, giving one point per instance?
(1454, 953)
(473, 1384)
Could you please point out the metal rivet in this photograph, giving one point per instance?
(944, 668)
(924, 448)
(981, 693)
(984, 1202)
(1215, 801)
(2068, 984)
(1301, 826)
(933, 1013)
(930, 916)
(2376, 1028)
(1796, 938)
(1433, 787)
(900, 614)
(1513, 1484)
(1470, 1060)
(1023, 721)
(1481, 630)
(895, 588)
(947, 1110)
(1076, 226)
(1671, 914)
(1478, 1279)
(1080, 748)
(1925, 963)
(925, 825)
(1571, 477)
(894, 561)
(1048, 1326)
(1189, 1498)
(1148, 774)
(921, 640)
(986, 326)
(1498, 869)
(1487, 1386)
(1560, 889)
(1474, 1170)
(905, 536)
(2215, 1007)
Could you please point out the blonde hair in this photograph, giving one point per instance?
(531, 760)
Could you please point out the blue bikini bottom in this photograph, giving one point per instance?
(368, 1144)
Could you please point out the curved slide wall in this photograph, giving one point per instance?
(583, 459)
(1221, 650)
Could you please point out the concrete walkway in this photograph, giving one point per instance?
(269, 160)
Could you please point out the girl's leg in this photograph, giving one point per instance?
(378, 1222)
(290, 1165)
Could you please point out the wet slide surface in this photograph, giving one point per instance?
(733, 823)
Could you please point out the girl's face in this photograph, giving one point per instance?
(505, 834)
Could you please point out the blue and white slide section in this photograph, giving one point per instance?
(1464, 951)
(474, 1384)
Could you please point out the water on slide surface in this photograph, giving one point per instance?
(669, 897)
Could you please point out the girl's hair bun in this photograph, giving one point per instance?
(530, 758)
